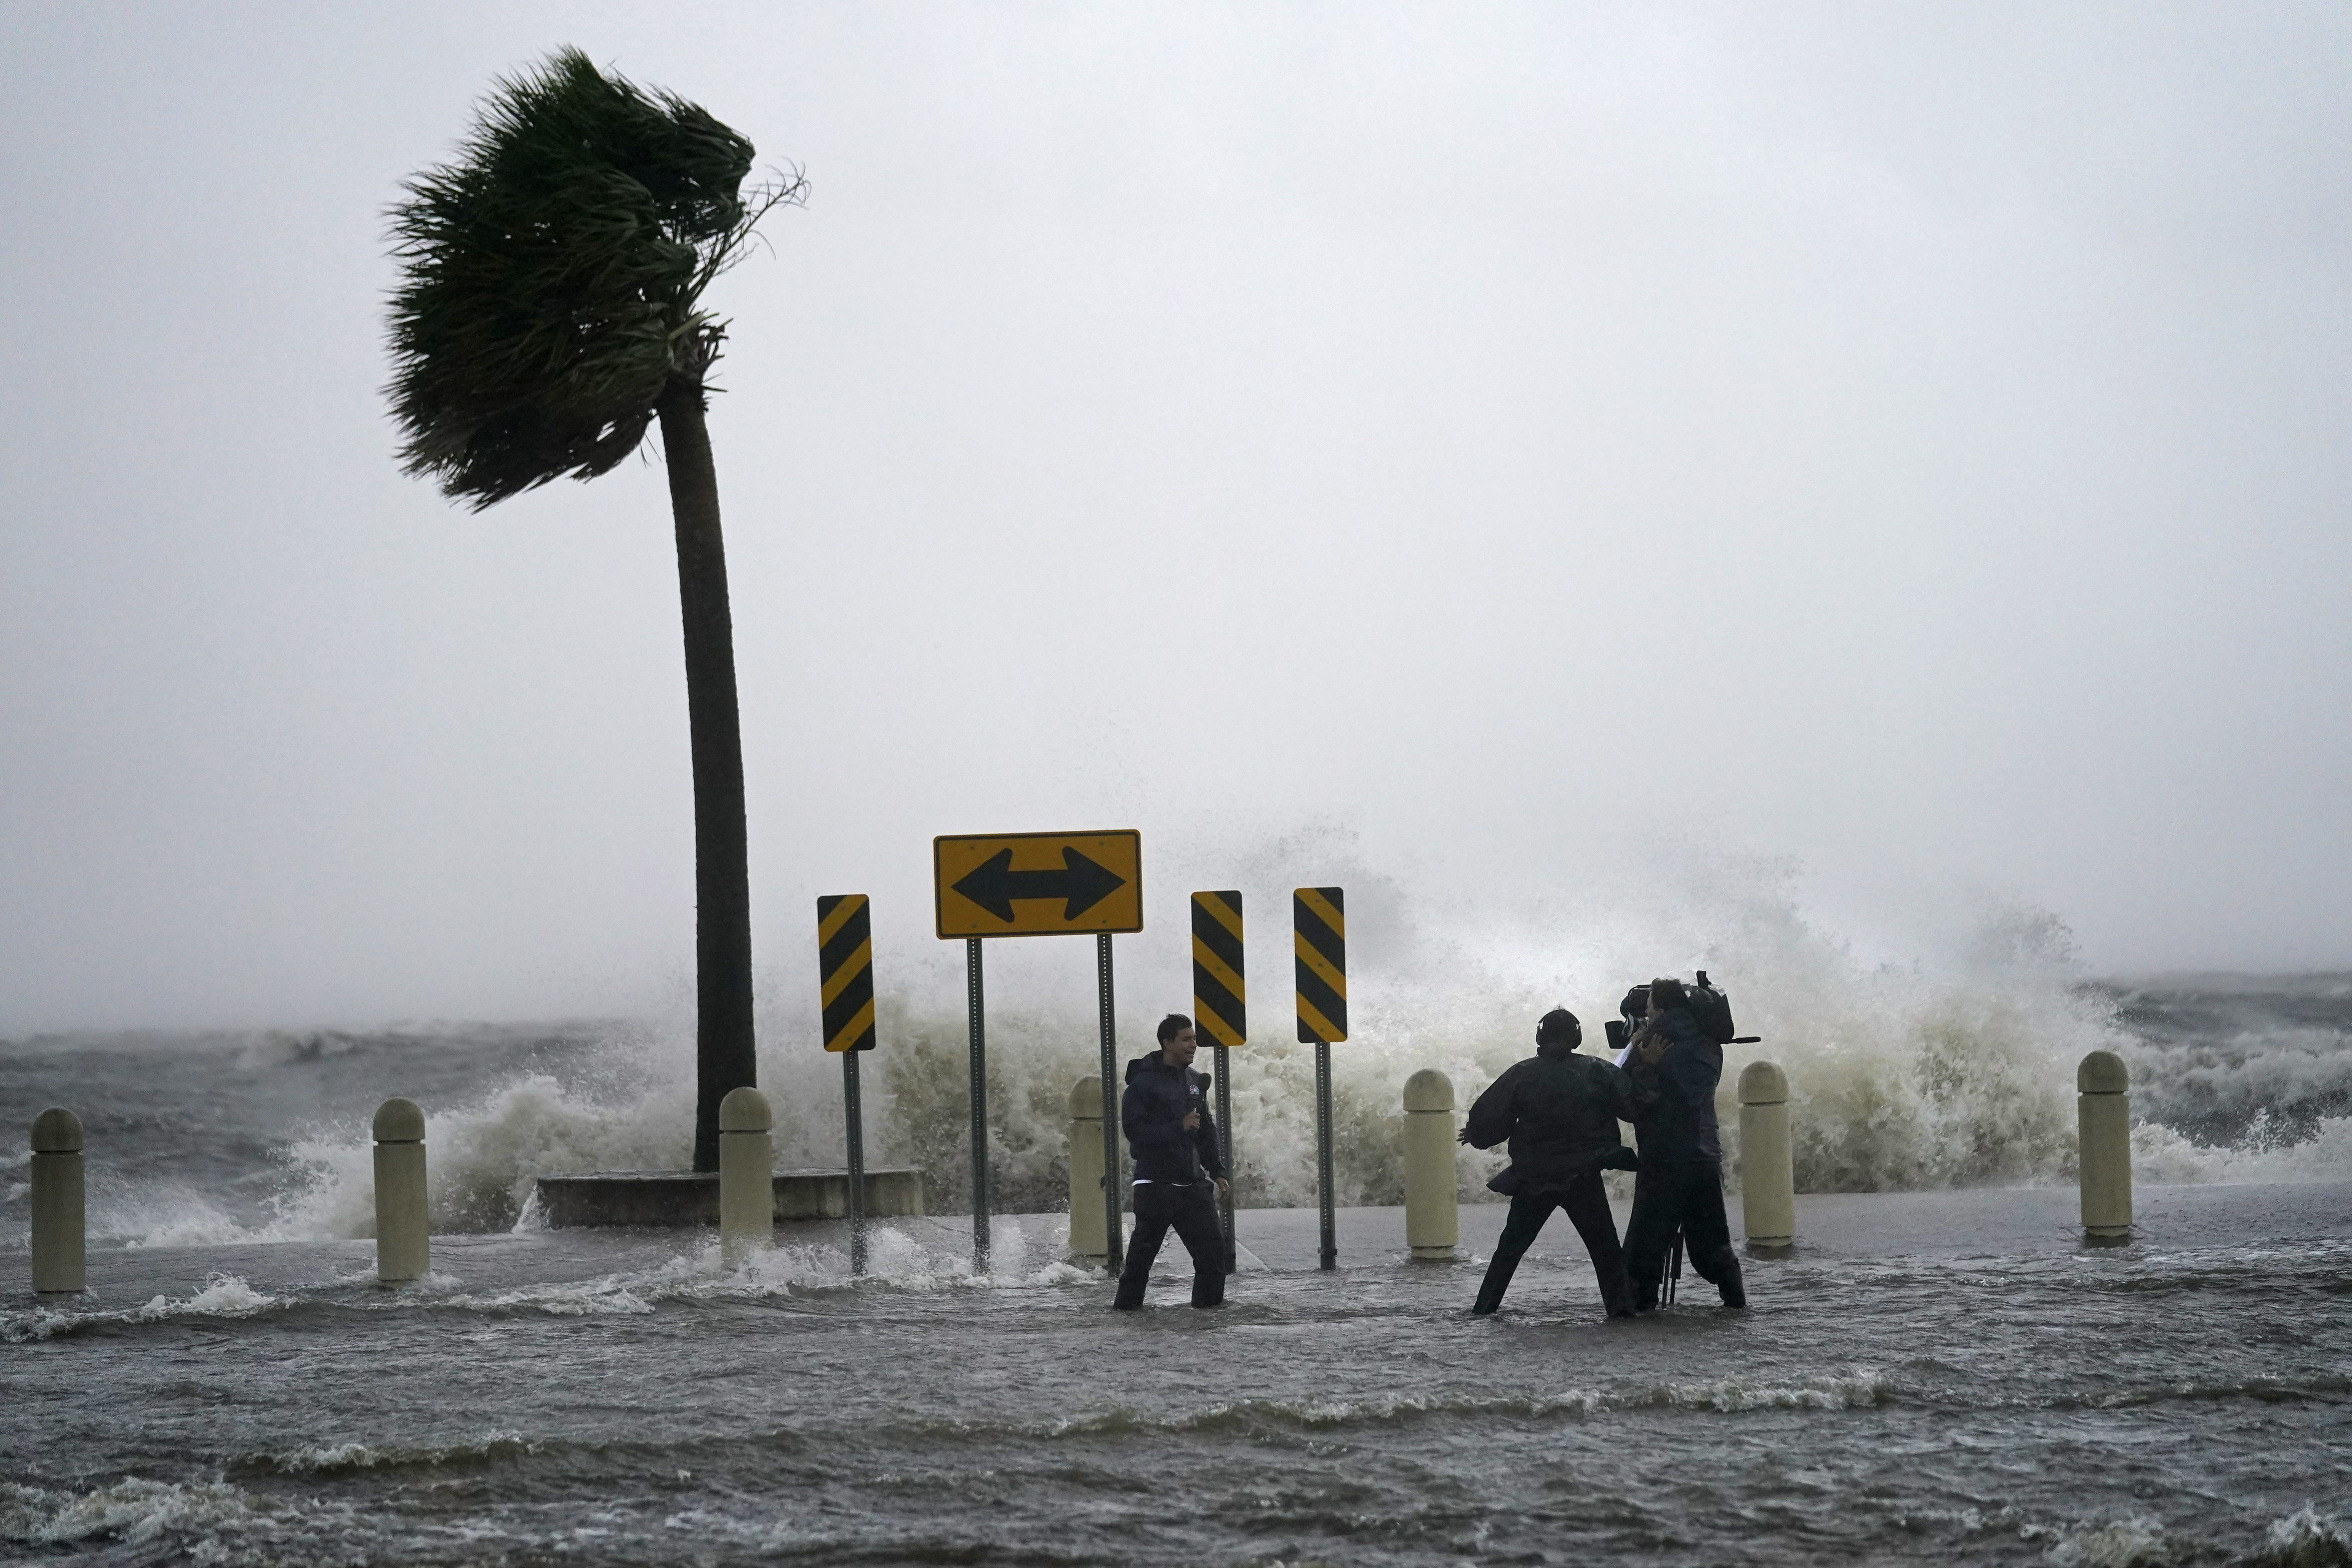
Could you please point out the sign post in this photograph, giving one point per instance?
(1113, 1238)
(1319, 939)
(976, 1024)
(1038, 884)
(845, 955)
(1220, 1016)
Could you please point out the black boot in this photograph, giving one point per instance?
(1617, 1296)
(1733, 1288)
(1645, 1295)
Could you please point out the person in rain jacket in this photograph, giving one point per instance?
(1165, 1114)
(1680, 1186)
(1560, 1112)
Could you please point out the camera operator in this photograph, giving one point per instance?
(1561, 1113)
(1679, 1185)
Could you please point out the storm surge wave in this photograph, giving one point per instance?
(1924, 1076)
(1952, 1070)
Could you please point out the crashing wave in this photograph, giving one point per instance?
(1953, 1072)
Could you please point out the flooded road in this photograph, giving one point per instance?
(620, 1397)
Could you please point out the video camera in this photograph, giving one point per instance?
(1708, 1004)
(1630, 1014)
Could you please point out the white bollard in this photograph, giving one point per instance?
(1433, 1217)
(403, 1224)
(747, 1175)
(1767, 1176)
(1088, 1236)
(58, 1214)
(2105, 1110)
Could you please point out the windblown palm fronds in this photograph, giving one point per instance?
(552, 278)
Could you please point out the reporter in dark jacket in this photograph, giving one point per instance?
(1676, 1068)
(1559, 1111)
(1165, 1114)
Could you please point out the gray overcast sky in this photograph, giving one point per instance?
(1536, 441)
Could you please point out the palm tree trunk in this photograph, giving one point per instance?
(725, 1057)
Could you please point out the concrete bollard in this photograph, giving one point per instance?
(1088, 1236)
(1433, 1217)
(2104, 1110)
(1767, 1176)
(747, 1175)
(58, 1213)
(403, 1224)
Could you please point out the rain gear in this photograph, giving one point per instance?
(1677, 1091)
(1152, 1114)
(1173, 1168)
(1559, 1111)
(1680, 1187)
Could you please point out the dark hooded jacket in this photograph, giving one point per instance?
(1559, 1111)
(1153, 1115)
(1677, 1122)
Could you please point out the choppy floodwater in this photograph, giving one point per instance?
(235, 1389)
(620, 1398)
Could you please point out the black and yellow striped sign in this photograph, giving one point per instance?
(1319, 924)
(1220, 991)
(844, 957)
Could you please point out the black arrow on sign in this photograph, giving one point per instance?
(995, 884)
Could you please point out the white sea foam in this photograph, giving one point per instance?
(2304, 1539)
(207, 1521)
(2307, 1539)
(484, 1156)
(2161, 1154)
(1855, 1391)
(895, 1261)
(340, 1457)
(2137, 1542)
(1860, 1388)
(588, 1298)
(133, 1510)
(224, 1296)
(146, 1217)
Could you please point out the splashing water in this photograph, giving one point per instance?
(1951, 1072)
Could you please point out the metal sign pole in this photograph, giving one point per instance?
(979, 1026)
(1323, 1152)
(1225, 1146)
(1114, 1249)
(853, 1113)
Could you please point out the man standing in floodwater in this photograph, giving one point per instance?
(1165, 1114)
(1676, 1066)
(1561, 1113)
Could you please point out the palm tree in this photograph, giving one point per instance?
(549, 310)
